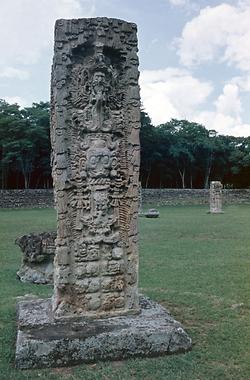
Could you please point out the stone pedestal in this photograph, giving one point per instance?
(43, 341)
(216, 197)
(95, 313)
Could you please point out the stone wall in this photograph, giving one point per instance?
(192, 196)
(42, 198)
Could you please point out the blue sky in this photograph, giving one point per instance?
(194, 55)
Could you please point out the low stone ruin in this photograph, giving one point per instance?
(38, 256)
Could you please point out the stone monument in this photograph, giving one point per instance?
(216, 197)
(38, 252)
(96, 154)
(96, 312)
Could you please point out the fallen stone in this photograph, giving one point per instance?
(152, 213)
(38, 256)
(43, 341)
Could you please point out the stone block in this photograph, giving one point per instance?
(38, 252)
(45, 342)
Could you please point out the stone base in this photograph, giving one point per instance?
(45, 342)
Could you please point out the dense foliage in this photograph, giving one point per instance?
(24, 146)
(178, 153)
(183, 154)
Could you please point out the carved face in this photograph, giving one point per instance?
(98, 160)
(98, 78)
(98, 83)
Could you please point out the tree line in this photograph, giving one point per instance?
(176, 154)
(183, 154)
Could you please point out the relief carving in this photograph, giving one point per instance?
(95, 95)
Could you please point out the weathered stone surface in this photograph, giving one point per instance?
(95, 121)
(38, 256)
(45, 342)
(26, 198)
(216, 197)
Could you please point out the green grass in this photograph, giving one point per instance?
(196, 264)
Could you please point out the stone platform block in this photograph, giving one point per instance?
(45, 342)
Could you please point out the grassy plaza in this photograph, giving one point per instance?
(195, 264)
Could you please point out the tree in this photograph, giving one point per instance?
(185, 147)
(239, 162)
(25, 147)
(183, 154)
(149, 152)
(39, 119)
(11, 121)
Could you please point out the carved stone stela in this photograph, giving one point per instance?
(95, 141)
(216, 197)
(95, 313)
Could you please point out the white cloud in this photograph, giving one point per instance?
(229, 102)
(175, 93)
(172, 93)
(241, 129)
(13, 73)
(15, 100)
(243, 82)
(26, 26)
(226, 118)
(221, 32)
(222, 123)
